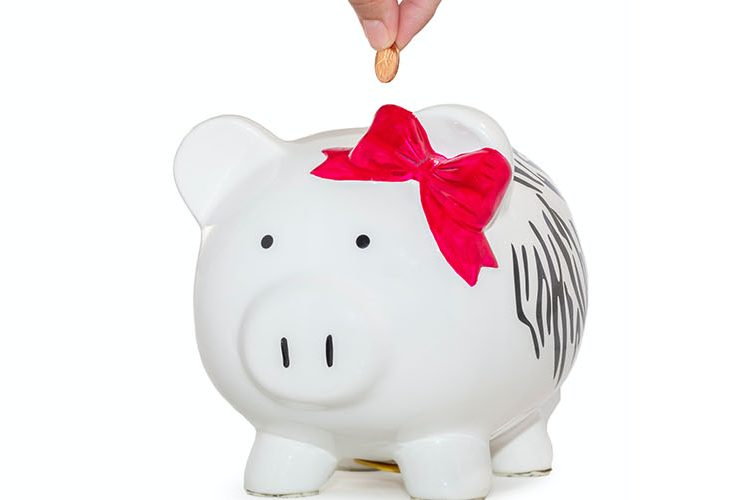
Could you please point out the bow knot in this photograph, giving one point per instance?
(459, 195)
(423, 169)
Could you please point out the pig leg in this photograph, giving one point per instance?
(447, 467)
(525, 449)
(282, 467)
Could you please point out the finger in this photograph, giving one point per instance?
(379, 20)
(413, 16)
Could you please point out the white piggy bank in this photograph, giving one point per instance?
(340, 307)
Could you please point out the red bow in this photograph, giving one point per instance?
(459, 195)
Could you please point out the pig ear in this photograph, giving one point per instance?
(216, 156)
(455, 129)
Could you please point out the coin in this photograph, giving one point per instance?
(384, 466)
(386, 63)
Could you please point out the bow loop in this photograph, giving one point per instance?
(459, 195)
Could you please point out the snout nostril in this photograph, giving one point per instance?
(284, 352)
(329, 351)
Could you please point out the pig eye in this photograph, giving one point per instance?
(363, 241)
(266, 241)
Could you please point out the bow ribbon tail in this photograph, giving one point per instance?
(464, 248)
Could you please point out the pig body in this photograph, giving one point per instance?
(326, 314)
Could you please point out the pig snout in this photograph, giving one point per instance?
(311, 343)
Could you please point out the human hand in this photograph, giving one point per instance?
(385, 22)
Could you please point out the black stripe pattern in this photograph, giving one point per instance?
(549, 274)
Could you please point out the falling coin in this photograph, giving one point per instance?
(386, 63)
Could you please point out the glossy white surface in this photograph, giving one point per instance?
(427, 369)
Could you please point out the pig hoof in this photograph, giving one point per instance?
(526, 449)
(448, 467)
(279, 467)
(524, 454)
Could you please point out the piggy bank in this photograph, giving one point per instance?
(408, 296)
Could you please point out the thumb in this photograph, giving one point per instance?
(379, 19)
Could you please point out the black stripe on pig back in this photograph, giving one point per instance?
(550, 277)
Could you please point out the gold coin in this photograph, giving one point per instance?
(384, 466)
(386, 63)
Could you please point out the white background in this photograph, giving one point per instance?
(638, 109)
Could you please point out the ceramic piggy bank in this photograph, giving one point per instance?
(409, 296)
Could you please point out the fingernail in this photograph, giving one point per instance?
(376, 34)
